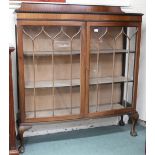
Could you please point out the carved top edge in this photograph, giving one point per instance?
(70, 9)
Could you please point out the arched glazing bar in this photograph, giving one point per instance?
(128, 65)
(71, 61)
(121, 33)
(127, 68)
(97, 63)
(53, 38)
(52, 66)
(34, 72)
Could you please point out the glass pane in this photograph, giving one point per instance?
(52, 70)
(112, 56)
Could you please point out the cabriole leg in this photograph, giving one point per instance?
(21, 131)
(134, 118)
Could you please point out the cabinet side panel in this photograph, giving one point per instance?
(21, 72)
(136, 66)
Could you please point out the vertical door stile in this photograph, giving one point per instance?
(83, 57)
(87, 68)
(21, 73)
(136, 68)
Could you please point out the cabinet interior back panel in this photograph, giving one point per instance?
(44, 69)
(103, 97)
(105, 64)
(49, 104)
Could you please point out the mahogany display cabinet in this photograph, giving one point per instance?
(76, 62)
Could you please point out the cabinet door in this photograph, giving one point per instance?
(52, 56)
(111, 61)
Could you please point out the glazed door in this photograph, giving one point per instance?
(52, 57)
(110, 71)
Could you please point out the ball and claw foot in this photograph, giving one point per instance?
(121, 123)
(21, 149)
(134, 134)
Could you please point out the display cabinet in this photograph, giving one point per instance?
(76, 62)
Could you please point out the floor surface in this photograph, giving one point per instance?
(111, 140)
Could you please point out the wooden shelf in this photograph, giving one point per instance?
(75, 82)
(74, 52)
(110, 51)
(49, 53)
(49, 84)
(108, 80)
